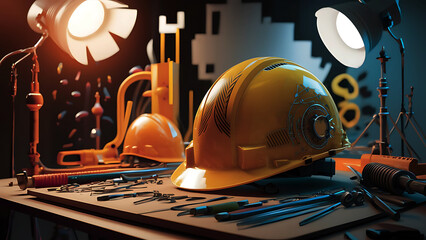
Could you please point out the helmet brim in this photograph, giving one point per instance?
(216, 179)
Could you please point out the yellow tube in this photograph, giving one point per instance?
(162, 47)
(177, 45)
(121, 115)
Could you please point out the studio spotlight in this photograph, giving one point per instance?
(77, 25)
(351, 30)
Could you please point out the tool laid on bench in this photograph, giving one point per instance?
(225, 216)
(376, 201)
(393, 180)
(123, 195)
(181, 207)
(217, 208)
(320, 214)
(280, 214)
(347, 199)
(58, 179)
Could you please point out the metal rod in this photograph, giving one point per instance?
(286, 216)
(267, 215)
(363, 132)
(402, 52)
(383, 113)
(320, 214)
(224, 216)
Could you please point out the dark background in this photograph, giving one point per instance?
(16, 34)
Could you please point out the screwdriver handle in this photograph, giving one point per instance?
(217, 208)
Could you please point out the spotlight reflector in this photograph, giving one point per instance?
(348, 32)
(86, 19)
(351, 30)
(77, 25)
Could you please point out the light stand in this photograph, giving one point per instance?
(13, 90)
(33, 102)
(382, 146)
(402, 112)
(77, 27)
(411, 119)
(383, 143)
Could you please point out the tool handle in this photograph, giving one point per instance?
(109, 197)
(224, 216)
(179, 207)
(412, 185)
(213, 209)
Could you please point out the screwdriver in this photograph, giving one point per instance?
(225, 216)
(216, 208)
(181, 207)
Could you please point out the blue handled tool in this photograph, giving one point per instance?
(320, 214)
(225, 216)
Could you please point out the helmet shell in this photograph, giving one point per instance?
(154, 137)
(262, 117)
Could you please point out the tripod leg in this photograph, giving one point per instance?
(410, 149)
(397, 120)
(417, 131)
(408, 116)
(363, 132)
(419, 127)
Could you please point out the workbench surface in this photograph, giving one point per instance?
(122, 217)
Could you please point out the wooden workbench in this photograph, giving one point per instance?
(123, 218)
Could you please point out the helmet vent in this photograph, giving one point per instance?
(277, 138)
(274, 66)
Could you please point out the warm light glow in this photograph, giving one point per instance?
(192, 178)
(348, 32)
(86, 19)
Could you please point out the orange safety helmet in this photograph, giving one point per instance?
(153, 138)
(262, 117)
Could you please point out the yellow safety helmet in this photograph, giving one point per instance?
(153, 139)
(262, 117)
